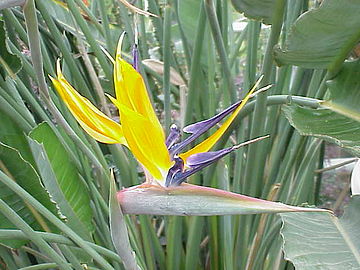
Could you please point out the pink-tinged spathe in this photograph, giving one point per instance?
(193, 200)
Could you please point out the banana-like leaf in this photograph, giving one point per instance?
(21, 171)
(10, 64)
(338, 120)
(323, 35)
(189, 11)
(261, 10)
(192, 200)
(321, 240)
(61, 179)
(14, 137)
(189, 14)
(345, 91)
(325, 124)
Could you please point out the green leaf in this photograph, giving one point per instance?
(119, 232)
(21, 171)
(345, 91)
(61, 179)
(13, 136)
(10, 64)
(189, 11)
(63, 17)
(261, 10)
(321, 240)
(189, 18)
(323, 36)
(325, 124)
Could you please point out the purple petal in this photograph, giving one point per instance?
(177, 168)
(198, 161)
(199, 128)
(194, 128)
(206, 157)
(135, 54)
(173, 137)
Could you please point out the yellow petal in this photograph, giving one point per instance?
(131, 91)
(205, 145)
(144, 141)
(142, 129)
(92, 120)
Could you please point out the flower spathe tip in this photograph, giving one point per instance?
(193, 200)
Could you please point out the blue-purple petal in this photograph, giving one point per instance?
(196, 163)
(199, 128)
(175, 170)
(173, 137)
(135, 54)
(206, 157)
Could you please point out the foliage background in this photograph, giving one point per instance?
(55, 180)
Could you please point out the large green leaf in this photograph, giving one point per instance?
(323, 35)
(322, 241)
(261, 10)
(21, 171)
(61, 179)
(13, 135)
(189, 11)
(345, 91)
(325, 124)
(9, 64)
(189, 16)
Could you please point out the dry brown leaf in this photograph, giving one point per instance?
(158, 67)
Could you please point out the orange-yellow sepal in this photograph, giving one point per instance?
(142, 129)
(207, 144)
(131, 91)
(91, 119)
(141, 136)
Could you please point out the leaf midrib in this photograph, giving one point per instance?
(347, 238)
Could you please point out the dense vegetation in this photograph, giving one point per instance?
(58, 208)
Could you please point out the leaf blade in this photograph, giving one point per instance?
(61, 179)
(323, 240)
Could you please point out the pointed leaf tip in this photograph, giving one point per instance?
(192, 200)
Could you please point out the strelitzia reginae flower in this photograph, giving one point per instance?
(163, 159)
(165, 162)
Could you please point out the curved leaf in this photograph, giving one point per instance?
(325, 124)
(12, 135)
(119, 232)
(345, 91)
(189, 11)
(61, 179)
(321, 240)
(323, 35)
(10, 64)
(21, 171)
(261, 10)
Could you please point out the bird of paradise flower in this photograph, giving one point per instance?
(163, 160)
(141, 131)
